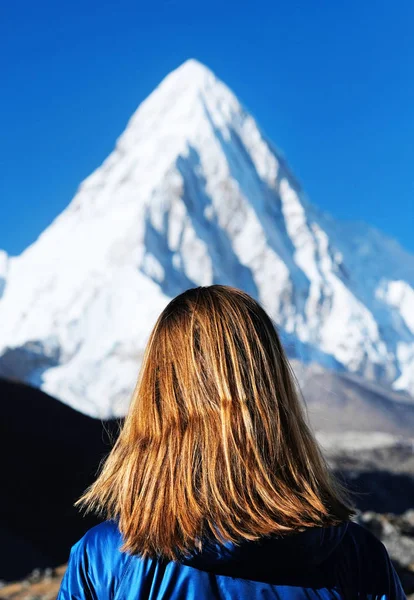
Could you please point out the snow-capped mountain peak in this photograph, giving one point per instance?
(192, 77)
(194, 193)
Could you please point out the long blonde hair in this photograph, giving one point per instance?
(215, 444)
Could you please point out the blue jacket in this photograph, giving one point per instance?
(346, 561)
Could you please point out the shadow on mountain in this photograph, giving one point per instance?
(380, 491)
(50, 454)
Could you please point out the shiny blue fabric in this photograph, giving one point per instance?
(322, 563)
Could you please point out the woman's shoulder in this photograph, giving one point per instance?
(368, 561)
(362, 547)
(363, 539)
(101, 536)
(101, 547)
(96, 564)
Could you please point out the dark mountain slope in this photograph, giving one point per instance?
(49, 454)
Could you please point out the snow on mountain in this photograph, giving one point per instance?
(4, 263)
(194, 193)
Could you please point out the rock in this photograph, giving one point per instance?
(35, 576)
(397, 534)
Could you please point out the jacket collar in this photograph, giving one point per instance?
(303, 551)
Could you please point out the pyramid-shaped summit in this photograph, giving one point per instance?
(194, 193)
(190, 73)
(190, 79)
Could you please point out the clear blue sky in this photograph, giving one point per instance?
(332, 83)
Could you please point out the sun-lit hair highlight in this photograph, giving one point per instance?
(215, 444)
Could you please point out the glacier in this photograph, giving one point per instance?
(194, 193)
